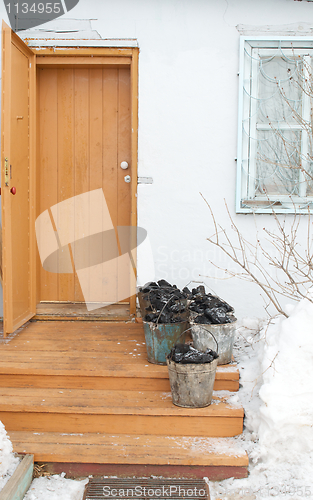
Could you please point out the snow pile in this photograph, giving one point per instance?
(8, 461)
(55, 488)
(286, 427)
(276, 367)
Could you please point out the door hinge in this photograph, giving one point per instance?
(6, 172)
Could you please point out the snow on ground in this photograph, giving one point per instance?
(8, 461)
(276, 373)
(43, 488)
(56, 487)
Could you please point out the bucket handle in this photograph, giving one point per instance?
(171, 297)
(169, 300)
(214, 340)
(206, 330)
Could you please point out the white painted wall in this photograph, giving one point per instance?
(188, 93)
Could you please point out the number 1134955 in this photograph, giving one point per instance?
(34, 8)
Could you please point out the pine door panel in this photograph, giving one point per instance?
(47, 178)
(18, 119)
(84, 134)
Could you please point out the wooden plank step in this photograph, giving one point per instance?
(89, 355)
(135, 383)
(98, 373)
(212, 472)
(122, 412)
(130, 449)
(90, 366)
(107, 402)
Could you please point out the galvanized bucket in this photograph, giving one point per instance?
(160, 338)
(224, 335)
(191, 384)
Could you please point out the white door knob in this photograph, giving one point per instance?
(124, 165)
(127, 178)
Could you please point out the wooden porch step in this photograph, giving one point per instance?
(88, 356)
(83, 398)
(137, 382)
(129, 449)
(121, 412)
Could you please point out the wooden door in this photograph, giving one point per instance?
(83, 135)
(17, 161)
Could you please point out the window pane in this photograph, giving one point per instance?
(277, 163)
(308, 178)
(279, 96)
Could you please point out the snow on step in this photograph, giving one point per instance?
(109, 402)
(130, 449)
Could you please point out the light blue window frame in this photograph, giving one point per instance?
(246, 202)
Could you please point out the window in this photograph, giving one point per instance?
(275, 161)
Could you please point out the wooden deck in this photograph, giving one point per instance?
(84, 393)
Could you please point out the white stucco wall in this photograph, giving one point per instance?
(188, 93)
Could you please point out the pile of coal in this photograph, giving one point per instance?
(165, 303)
(195, 292)
(209, 309)
(186, 354)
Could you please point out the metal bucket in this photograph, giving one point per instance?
(160, 338)
(143, 304)
(223, 334)
(191, 384)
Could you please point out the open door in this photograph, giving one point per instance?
(17, 181)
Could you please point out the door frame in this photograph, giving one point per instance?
(114, 57)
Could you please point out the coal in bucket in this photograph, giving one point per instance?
(191, 377)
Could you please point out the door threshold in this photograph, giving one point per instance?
(65, 311)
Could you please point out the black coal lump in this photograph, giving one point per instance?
(210, 308)
(219, 311)
(186, 292)
(217, 315)
(196, 308)
(213, 301)
(151, 317)
(186, 354)
(203, 320)
(176, 319)
(177, 307)
(164, 284)
(148, 286)
(159, 304)
(178, 294)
